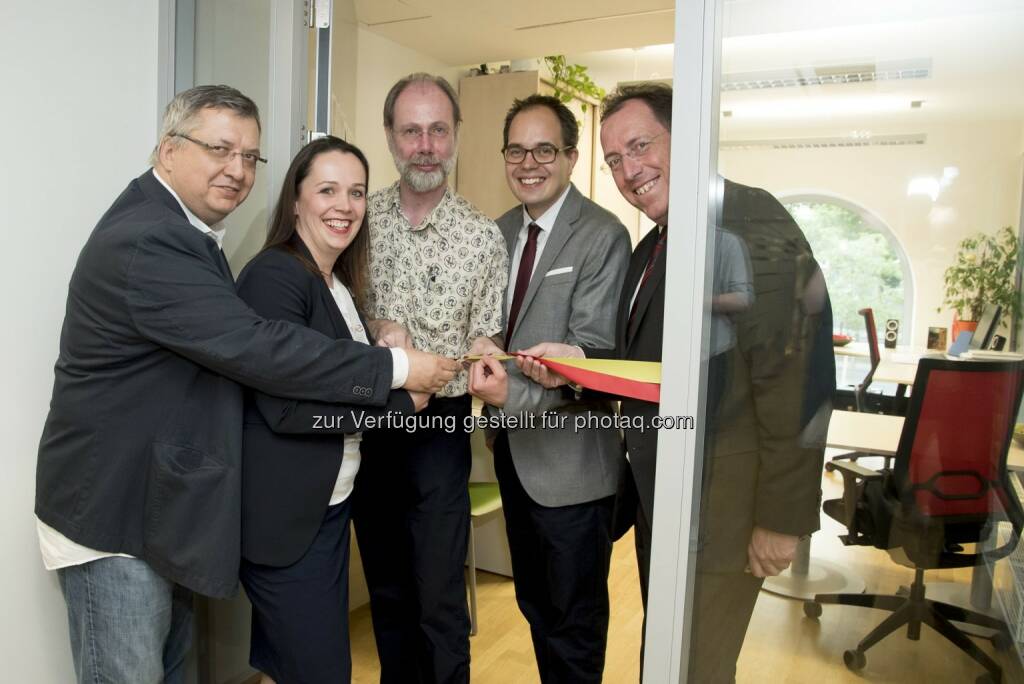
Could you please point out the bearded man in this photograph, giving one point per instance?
(439, 269)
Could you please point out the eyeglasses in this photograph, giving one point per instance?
(542, 154)
(637, 150)
(413, 133)
(223, 154)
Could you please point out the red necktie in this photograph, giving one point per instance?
(658, 246)
(522, 279)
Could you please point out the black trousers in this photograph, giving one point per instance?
(412, 524)
(560, 561)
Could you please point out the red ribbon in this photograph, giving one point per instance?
(602, 382)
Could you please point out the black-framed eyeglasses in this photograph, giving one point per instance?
(542, 154)
(223, 154)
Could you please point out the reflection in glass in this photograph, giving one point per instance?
(890, 137)
(771, 376)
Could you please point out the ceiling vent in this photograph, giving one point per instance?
(825, 143)
(828, 75)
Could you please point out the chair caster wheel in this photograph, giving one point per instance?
(812, 609)
(855, 660)
(830, 467)
(1001, 641)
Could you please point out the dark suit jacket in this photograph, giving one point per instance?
(290, 464)
(640, 342)
(762, 466)
(141, 451)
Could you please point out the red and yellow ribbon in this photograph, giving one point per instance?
(633, 379)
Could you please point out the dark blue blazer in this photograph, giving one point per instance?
(292, 449)
(141, 452)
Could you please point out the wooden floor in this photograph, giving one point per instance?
(782, 645)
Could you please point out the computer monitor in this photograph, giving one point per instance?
(986, 326)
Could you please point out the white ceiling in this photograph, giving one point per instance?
(976, 51)
(459, 32)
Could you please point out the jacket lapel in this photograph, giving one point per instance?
(341, 330)
(560, 234)
(155, 190)
(646, 293)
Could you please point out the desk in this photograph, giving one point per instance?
(898, 373)
(901, 354)
(897, 366)
(871, 432)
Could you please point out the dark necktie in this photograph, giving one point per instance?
(658, 246)
(522, 279)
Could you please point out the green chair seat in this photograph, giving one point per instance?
(484, 498)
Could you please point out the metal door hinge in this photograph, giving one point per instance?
(320, 16)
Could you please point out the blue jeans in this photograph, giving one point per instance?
(127, 623)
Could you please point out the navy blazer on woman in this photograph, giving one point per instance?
(292, 449)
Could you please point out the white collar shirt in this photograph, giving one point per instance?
(216, 231)
(546, 223)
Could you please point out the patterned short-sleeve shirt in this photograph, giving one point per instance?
(444, 280)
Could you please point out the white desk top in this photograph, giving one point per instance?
(880, 434)
(901, 354)
(870, 432)
(898, 373)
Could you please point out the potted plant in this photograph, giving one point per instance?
(982, 274)
(571, 80)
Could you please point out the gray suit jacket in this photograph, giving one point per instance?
(572, 298)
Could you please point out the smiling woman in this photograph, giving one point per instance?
(312, 271)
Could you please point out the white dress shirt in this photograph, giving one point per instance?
(350, 451)
(546, 222)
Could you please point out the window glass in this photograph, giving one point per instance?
(870, 158)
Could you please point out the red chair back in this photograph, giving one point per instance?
(951, 460)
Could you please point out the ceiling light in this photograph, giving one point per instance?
(805, 107)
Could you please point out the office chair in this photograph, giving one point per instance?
(860, 391)
(948, 487)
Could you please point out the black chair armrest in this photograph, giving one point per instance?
(853, 474)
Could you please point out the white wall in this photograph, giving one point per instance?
(380, 63)
(78, 122)
(984, 197)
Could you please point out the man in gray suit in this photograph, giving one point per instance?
(568, 258)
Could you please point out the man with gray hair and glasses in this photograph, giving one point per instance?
(138, 481)
(438, 269)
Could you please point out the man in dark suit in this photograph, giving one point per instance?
(139, 471)
(769, 387)
(567, 260)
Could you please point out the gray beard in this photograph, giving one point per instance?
(424, 182)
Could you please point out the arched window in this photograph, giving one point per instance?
(863, 263)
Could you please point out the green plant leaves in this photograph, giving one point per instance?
(984, 273)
